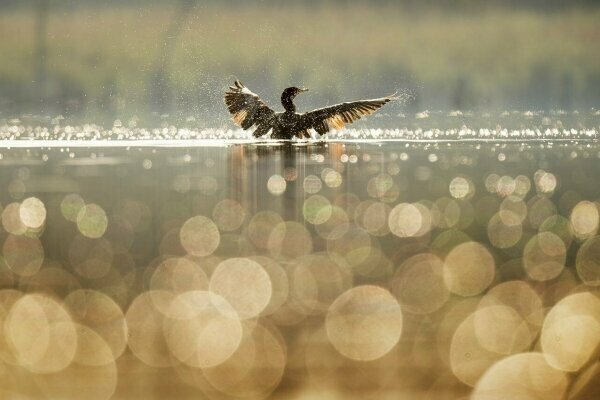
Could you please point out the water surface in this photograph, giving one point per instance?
(346, 268)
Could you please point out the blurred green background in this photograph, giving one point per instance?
(108, 59)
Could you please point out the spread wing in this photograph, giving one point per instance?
(323, 120)
(247, 109)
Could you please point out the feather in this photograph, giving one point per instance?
(246, 108)
(337, 116)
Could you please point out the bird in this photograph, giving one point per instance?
(248, 111)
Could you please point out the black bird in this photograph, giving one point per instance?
(249, 110)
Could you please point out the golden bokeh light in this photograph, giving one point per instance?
(468, 269)
(182, 184)
(491, 183)
(102, 322)
(519, 296)
(418, 284)
(208, 185)
(335, 226)
(405, 220)
(521, 376)
(178, 275)
(301, 297)
(314, 282)
(379, 185)
(374, 217)
(540, 208)
(585, 219)
(260, 226)
(513, 205)
(23, 255)
(199, 236)
(133, 213)
(376, 265)
(560, 226)
(8, 297)
(244, 284)
(504, 229)
(461, 188)
(319, 279)
(364, 323)
(91, 258)
(256, 367)
(569, 342)
(92, 350)
(588, 261)
(92, 221)
(202, 329)
(331, 177)
(544, 256)
(505, 186)
(41, 334)
(456, 311)
(354, 246)
(522, 185)
(228, 215)
(447, 212)
(276, 185)
(316, 209)
(571, 332)
(289, 240)
(70, 206)
(11, 219)
(32, 213)
(290, 174)
(279, 283)
(446, 240)
(312, 184)
(500, 329)
(545, 182)
(468, 358)
(145, 317)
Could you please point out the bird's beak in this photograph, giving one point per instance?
(304, 89)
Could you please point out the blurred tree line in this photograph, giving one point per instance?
(541, 5)
(131, 56)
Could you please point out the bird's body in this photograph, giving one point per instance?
(248, 111)
(284, 124)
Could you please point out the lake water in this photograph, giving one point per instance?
(396, 263)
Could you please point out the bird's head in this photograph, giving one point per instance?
(292, 92)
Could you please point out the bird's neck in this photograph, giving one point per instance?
(288, 103)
